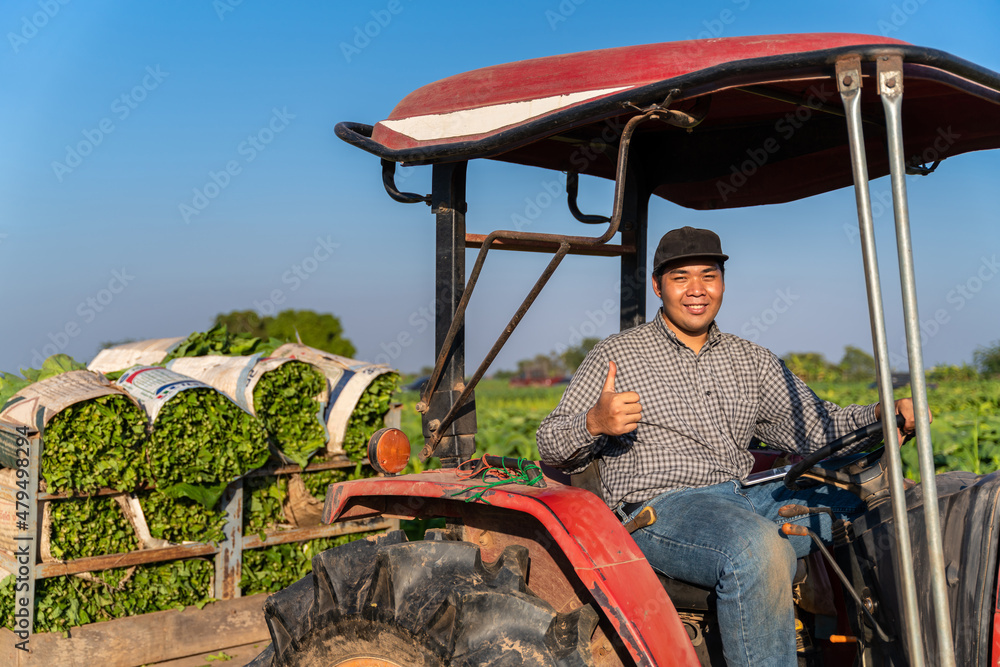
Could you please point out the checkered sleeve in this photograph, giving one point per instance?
(563, 439)
(793, 418)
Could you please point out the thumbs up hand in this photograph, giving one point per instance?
(614, 413)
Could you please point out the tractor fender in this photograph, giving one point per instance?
(600, 551)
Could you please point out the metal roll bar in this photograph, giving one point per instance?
(890, 87)
(849, 80)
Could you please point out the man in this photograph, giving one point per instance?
(668, 409)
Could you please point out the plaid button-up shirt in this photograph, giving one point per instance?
(699, 413)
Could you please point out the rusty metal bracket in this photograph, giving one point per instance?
(681, 119)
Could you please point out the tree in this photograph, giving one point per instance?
(810, 366)
(987, 359)
(243, 322)
(320, 330)
(542, 366)
(574, 356)
(856, 364)
(944, 373)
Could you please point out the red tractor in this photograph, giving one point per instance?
(533, 568)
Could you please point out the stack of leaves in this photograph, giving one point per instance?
(285, 400)
(57, 364)
(68, 601)
(92, 526)
(273, 568)
(218, 340)
(93, 444)
(200, 442)
(181, 519)
(368, 415)
(263, 498)
(10, 384)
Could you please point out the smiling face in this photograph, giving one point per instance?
(691, 291)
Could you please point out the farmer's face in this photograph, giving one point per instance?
(691, 291)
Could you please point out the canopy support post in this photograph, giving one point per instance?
(849, 84)
(890, 84)
(456, 443)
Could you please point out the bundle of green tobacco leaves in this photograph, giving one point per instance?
(368, 415)
(285, 400)
(181, 519)
(263, 500)
(92, 526)
(95, 444)
(57, 364)
(265, 497)
(93, 433)
(200, 442)
(218, 340)
(270, 569)
(287, 396)
(68, 601)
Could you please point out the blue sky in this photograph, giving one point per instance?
(239, 100)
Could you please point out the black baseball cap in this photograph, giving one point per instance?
(687, 242)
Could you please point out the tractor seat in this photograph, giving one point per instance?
(692, 597)
(687, 596)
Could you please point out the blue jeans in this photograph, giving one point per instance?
(728, 537)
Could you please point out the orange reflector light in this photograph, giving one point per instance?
(843, 639)
(389, 450)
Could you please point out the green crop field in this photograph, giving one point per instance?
(965, 431)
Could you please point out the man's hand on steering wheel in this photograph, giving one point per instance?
(905, 426)
(904, 407)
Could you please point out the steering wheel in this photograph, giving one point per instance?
(855, 474)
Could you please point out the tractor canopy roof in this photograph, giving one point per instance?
(762, 107)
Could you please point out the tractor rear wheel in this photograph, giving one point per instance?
(388, 602)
